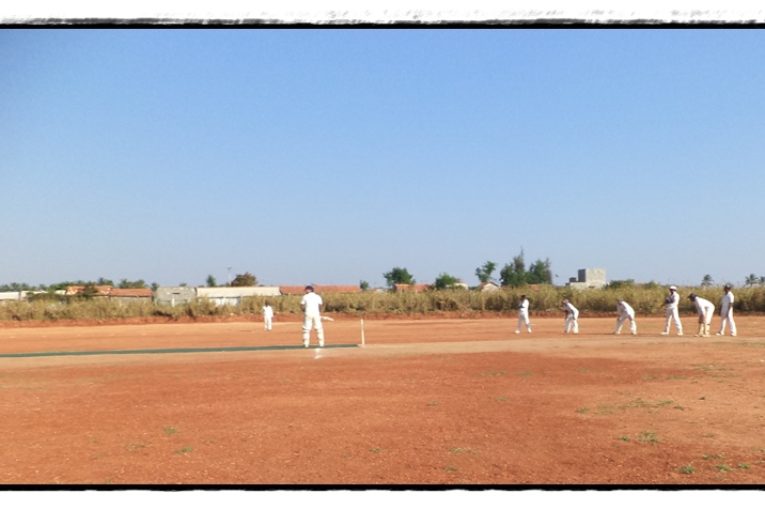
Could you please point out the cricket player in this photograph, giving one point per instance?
(671, 312)
(268, 316)
(726, 312)
(311, 305)
(625, 312)
(572, 318)
(706, 311)
(523, 315)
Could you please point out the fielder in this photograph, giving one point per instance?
(268, 316)
(706, 311)
(572, 318)
(311, 305)
(671, 312)
(726, 312)
(523, 315)
(625, 312)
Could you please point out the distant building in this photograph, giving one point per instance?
(173, 296)
(489, 287)
(299, 290)
(589, 279)
(10, 296)
(233, 295)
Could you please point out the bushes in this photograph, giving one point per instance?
(646, 300)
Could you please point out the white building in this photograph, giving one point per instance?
(594, 278)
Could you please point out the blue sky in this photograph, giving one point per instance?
(331, 156)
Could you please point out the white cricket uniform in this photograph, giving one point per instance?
(672, 314)
(706, 310)
(311, 304)
(626, 312)
(572, 319)
(268, 317)
(523, 316)
(726, 314)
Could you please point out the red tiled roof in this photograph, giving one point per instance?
(292, 290)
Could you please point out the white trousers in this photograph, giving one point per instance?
(672, 316)
(312, 322)
(523, 321)
(572, 324)
(726, 320)
(268, 323)
(622, 319)
(706, 314)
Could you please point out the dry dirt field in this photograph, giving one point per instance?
(446, 402)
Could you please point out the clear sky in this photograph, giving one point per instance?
(331, 156)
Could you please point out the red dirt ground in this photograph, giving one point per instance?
(423, 402)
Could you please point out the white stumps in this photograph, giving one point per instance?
(363, 341)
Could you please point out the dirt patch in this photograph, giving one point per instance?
(461, 401)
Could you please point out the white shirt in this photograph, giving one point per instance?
(268, 312)
(311, 303)
(727, 303)
(702, 304)
(625, 309)
(524, 306)
(571, 308)
(675, 300)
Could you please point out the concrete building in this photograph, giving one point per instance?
(233, 295)
(173, 296)
(594, 278)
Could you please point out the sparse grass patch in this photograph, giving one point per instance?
(432, 403)
(743, 465)
(450, 469)
(688, 469)
(647, 437)
(583, 410)
(723, 468)
(502, 398)
(184, 450)
(169, 431)
(493, 373)
(625, 439)
(524, 373)
(375, 450)
(458, 451)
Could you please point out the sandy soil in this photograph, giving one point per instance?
(422, 402)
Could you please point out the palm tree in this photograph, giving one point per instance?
(752, 280)
(707, 281)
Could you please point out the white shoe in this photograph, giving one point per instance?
(733, 334)
(517, 332)
(665, 333)
(321, 344)
(680, 334)
(306, 345)
(718, 334)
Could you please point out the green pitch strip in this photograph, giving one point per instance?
(180, 350)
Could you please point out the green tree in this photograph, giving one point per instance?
(364, 285)
(707, 281)
(127, 284)
(539, 272)
(445, 281)
(398, 275)
(484, 272)
(514, 273)
(244, 280)
(751, 280)
(211, 282)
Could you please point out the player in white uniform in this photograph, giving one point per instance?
(311, 305)
(706, 311)
(268, 316)
(572, 318)
(626, 312)
(726, 312)
(671, 313)
(523, 315)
